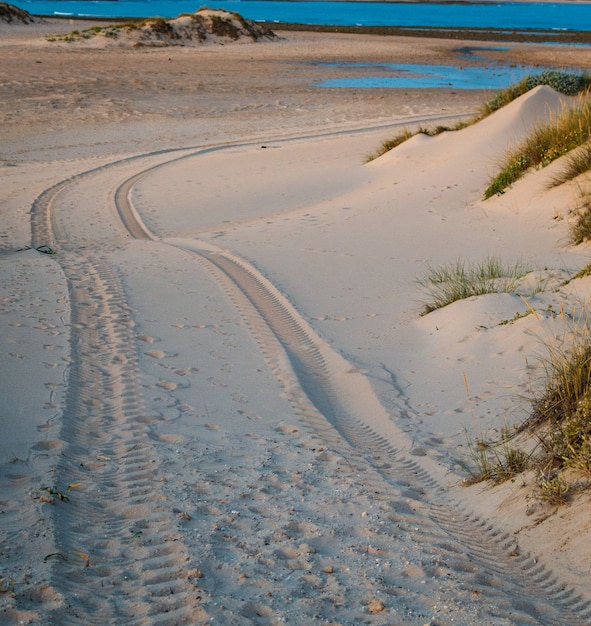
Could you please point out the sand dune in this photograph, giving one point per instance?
(220, 403)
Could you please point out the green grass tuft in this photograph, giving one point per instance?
(567, 378)
(456, 281)
(496, 462)
(390, 144)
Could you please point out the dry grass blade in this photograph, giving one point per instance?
(84, 557)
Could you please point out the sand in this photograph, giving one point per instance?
(219, 401)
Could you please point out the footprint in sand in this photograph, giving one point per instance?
(182, 372)
(165, 384)
(147, 339)
(156, 354)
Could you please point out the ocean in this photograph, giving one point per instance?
(513, 15)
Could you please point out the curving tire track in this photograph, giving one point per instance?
(106, 432)
(323, 386)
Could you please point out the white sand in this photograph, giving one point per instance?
(225, 357)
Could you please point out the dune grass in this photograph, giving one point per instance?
(495, 462)
(577, 162)
(560, 423)
(456, 281)
(567, 386)
(389, 144)
(561, 415)
(568, 130)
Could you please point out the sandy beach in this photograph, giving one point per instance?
(219, 401)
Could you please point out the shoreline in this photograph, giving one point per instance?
(443, 32)
(549, 37)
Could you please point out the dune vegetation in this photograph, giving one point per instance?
(184, 30)
(456, 281)
(554, 443)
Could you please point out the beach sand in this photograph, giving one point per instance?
(219, 401)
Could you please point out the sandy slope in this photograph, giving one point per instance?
(224, 358)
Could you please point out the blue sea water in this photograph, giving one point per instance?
(514, 15)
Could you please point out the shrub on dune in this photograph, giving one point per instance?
(566, 83)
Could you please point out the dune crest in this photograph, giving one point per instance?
(12, 15)
(206, 26)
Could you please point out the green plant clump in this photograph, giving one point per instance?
(390, 144)
(161, 26)
(553, 489)
(406, 134)
(586, 271)
(503, 97)
(568, 379)
(562, 413)
(568, 441)
(223, 27)
(496, 462)
(448, 283)
(564, 82)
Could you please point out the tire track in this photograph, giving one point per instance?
(121, 558)
(138, 562)
(47, 230)
(322, 386)
(336, 392)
